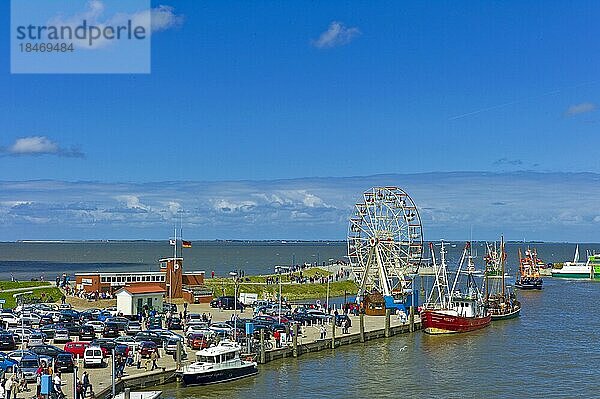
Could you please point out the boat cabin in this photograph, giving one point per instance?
(224, 352)
(467, 307)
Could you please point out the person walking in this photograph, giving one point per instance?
(8, 387)
(14, 386)
(277, 336)
(85, 381)
(138, 358)
(2, 392)
(154, 358)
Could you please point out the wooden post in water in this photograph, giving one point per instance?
(362, 327)
(411, 319)
(333, 334)
(295, 341)
(388, 313)
(263, 354)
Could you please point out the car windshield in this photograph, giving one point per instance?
(29, 363)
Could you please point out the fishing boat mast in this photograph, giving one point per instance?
(503, 259)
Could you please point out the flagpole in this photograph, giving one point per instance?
(172, 267)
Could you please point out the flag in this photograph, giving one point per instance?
(172, 242)
(186, 244)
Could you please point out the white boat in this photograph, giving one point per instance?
(577, 269)
(140, 395)
(220, 363)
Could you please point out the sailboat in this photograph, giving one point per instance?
(449, 310)
(528, 275)
(501, 303)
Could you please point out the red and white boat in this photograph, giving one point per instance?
(450, 311)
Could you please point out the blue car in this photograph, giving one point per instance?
(6, 363)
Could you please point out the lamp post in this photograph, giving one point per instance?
(278, 270)
(234, 276)
(19, 299)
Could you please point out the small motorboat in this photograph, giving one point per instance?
(220, 363)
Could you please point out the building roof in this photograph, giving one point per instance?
(130, 273)
(143, 289)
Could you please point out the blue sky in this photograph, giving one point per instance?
(261, 91)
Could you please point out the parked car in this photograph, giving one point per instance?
(93, 357)
(76, 348)
(104, 315)
(7, 365)
(229, 302)
(169, 307)
(222, 329)
(28, 366)
(107, 345)
(111, 330)
(133, 327)
(155, 323)
(46, 319)
(98, 326)
(171, 346)
(64, 363)
(175, 324)
(196, 327)
(37, 338)
(19, 354)
(49, 351)
(121, 322)
(72, 328)
(7, 341)
(129, 341)
(148, 336)
(61, 335)
(86, 333)
(198, 341)
(147, 347)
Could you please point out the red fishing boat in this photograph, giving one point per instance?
(449, 311)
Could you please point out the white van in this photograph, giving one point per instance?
(93, 357)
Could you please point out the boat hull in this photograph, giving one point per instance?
(434, 322)
(218, 376)
(529, 285)
(506, 316)
(574, 275)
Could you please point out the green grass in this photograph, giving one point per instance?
(50, 294)
(9, 285)
(292, 292)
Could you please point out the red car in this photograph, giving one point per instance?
(76, 348)
(197, 341)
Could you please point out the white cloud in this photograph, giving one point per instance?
(580, 108)
(41, 145)
(540, 206)
(153, 20)
(160, 18)
(336, 35)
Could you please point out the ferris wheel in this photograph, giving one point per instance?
(385, 242)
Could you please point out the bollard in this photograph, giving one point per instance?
(333, 335)
(411, 319)
(263, 354)
(388, 312)
(362, 327)
(127, 393)
(178, 355)
(295, 341)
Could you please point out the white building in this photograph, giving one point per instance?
(132, 299)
